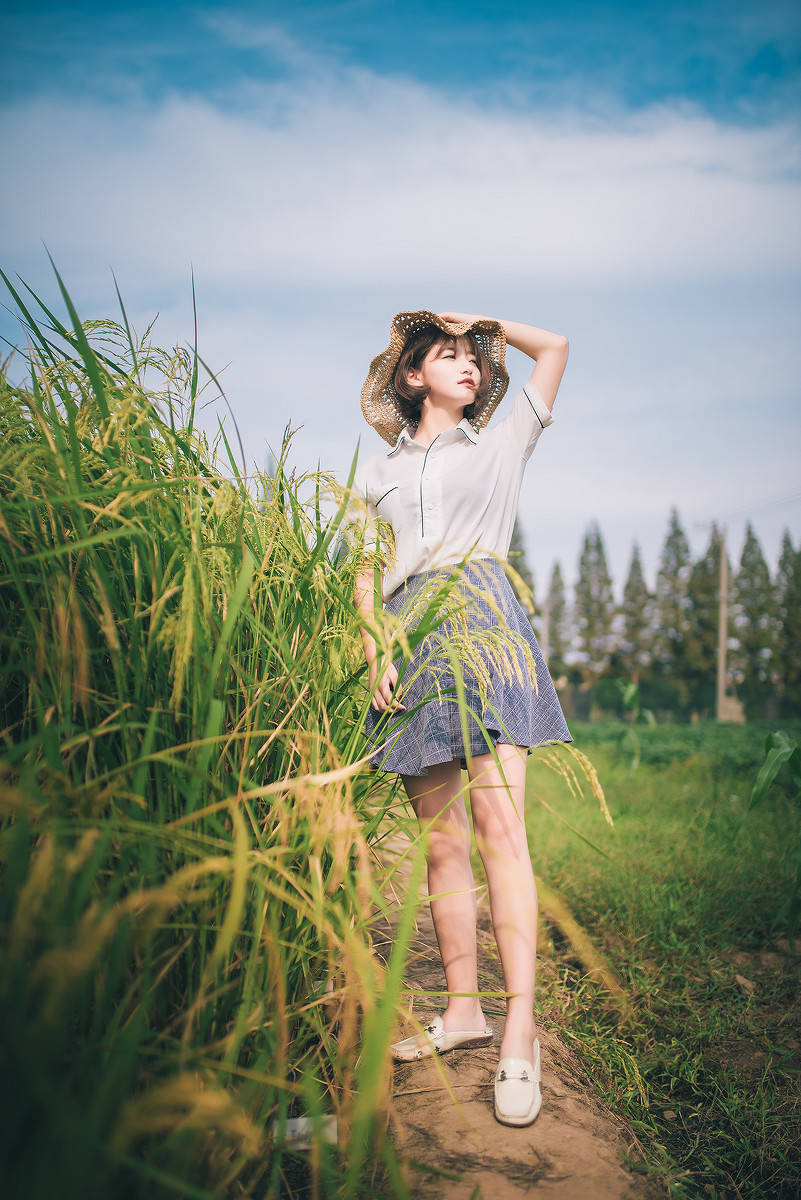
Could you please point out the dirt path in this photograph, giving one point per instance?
(574, 1150)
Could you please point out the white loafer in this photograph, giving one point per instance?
(436, 1040)
(517, 1089)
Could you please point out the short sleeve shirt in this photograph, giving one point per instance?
(456, 497)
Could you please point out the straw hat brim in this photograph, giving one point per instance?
(380, 403)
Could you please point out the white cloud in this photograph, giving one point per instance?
(364, 178)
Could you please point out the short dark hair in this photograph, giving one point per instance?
(410, 398)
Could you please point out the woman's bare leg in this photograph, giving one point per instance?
(499, 824)
(449, 871)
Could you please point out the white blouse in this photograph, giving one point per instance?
(458, 495)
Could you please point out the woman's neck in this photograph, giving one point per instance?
(434, 421)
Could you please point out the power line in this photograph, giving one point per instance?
(747, 512)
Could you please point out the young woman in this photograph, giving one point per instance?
(449, 487)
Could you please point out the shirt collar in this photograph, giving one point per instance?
(405, 435)
(468, 430)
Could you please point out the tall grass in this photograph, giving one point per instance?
(189, 832)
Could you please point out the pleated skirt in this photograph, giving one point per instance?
(487, 641)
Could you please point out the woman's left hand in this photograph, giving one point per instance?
(459, 318)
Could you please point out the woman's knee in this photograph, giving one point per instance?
(499, 823)
(448, 842)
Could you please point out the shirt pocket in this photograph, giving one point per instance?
(384, 498)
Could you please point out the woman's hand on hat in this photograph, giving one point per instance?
(387, 692)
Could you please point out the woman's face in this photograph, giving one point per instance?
(451, 371)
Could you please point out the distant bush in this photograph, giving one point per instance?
(727, 748)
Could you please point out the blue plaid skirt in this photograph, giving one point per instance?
(490, 637)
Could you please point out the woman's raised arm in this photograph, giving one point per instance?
(549, 351)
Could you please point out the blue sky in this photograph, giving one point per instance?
(629, 175)
(736, 59)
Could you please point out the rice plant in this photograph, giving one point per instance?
(188, 833)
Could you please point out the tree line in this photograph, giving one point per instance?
(666, 640)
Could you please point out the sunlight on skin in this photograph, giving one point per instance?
(497, 810)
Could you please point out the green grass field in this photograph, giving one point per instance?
(682, 903)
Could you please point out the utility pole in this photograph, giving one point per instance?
(723, 626)
(727, 708)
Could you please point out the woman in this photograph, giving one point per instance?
(449, 488)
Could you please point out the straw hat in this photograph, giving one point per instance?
(380, 403)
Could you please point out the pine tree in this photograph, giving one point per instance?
(594, 605)
(672, 579)
(634, 652)
(788, 602)
(701, 654)
(517, 559)
(755, 627)
(558, 624)
(669, 689)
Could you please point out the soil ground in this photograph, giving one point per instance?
(446, 1125)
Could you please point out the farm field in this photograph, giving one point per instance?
(706, 1068)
